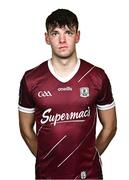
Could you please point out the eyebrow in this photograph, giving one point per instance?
(73, 28)
(52, 31)
(66, 29)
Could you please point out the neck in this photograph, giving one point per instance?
(64, 67)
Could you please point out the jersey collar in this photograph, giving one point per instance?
(67, 78)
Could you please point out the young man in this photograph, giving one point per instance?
(63, 96)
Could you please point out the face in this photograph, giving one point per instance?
(63, 41)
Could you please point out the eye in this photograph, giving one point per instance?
(69, 32)
(54, 33)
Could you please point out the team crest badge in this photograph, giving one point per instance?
(84, 92)
(83, 175)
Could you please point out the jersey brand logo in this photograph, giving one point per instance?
(65, 89)
(84, 92)
(44, 93)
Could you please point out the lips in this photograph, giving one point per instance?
(63, 47)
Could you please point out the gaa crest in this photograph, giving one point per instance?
(84, 91)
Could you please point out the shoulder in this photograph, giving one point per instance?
(92, 69)
(36, 72)
(33, 76)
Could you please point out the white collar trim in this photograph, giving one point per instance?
(69, 77)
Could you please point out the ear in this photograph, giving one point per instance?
(77, 36)
(47, 38)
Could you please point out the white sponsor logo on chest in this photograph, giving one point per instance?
(48, 117)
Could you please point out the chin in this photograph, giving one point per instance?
(64, 56)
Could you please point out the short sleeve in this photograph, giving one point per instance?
(105, 99)
(26, 103)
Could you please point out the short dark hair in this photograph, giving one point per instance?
(60, 18)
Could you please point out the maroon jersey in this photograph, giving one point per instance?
(65, 115)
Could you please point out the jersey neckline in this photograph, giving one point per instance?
(67, 78)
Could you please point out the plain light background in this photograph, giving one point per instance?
(104, 26)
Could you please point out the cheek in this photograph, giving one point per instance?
(54, 46)
(54, 42)
(72, 42)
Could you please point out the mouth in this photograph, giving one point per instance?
(63, 47)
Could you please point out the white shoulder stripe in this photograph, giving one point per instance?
(106, 107)
(26, 110)
(86, 73)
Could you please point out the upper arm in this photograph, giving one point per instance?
(26, 122)
(26, 106)
(108, 118)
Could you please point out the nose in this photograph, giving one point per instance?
(62, 38)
